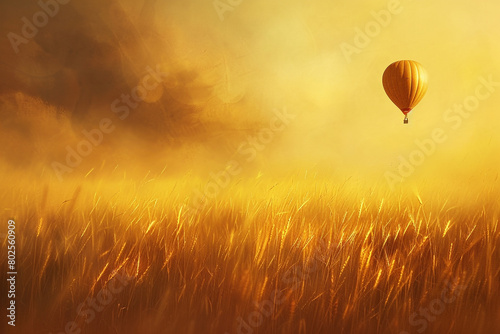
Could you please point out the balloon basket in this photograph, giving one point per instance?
(406, 120)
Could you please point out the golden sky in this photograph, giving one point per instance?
(231, 64)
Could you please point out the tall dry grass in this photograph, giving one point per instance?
(343, 258)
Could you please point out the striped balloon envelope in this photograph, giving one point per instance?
(405, 82)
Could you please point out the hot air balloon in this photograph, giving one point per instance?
(405, 82)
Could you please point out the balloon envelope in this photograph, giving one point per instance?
(405, 82)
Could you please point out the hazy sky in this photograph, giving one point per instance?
(231, 63)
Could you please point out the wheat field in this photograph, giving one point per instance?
(303, 255)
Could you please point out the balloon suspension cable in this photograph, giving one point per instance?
(406, 119)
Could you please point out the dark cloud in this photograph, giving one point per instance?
(66, 78)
